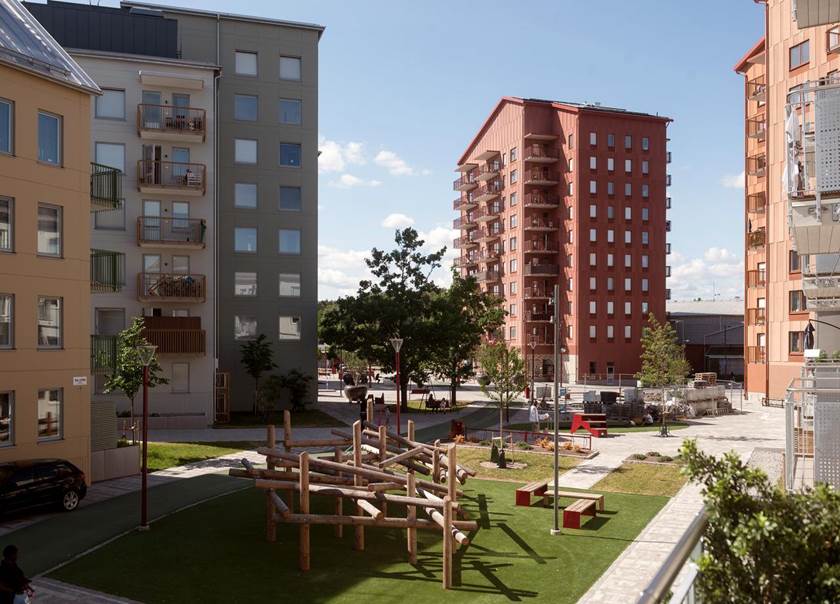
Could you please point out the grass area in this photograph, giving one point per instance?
(539, 465)
(417, 406)
(308, 418)
(643, 479)
(610, 429)
(512, 557)
(168, 455)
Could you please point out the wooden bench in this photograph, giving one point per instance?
(523, 494)
(596, 497)
(573, 512)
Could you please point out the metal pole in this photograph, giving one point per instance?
(399, 390)
(557, 368)
(144, 493)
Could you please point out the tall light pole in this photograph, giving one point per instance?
(397, 344)
(532, 344)
(558, 374)
(147, 357)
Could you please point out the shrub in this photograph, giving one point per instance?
(522, 445)
(639, 456)
(494, 454)
(666, 458)
(653, 454)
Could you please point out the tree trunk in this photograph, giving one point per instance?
(453, 391)
(403, 393)
(501, 424)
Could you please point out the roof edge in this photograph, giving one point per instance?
(135, 58)
(741, 65)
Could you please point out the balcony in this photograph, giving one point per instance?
(487, 155)
(107, 271)
(539, 317)
(540, 154)
(821, 281)
(667, 226)
(468, 241)
(668, 293)
(103, 354)
(755, 316)
(756, 278)
(171, 123)
(757, 128)
(489, 255)
(489, 171)
(466, 182)
(536, 293)
(488, 191)
(489, 213)
(182, 233)
(756, 238)
(757, 88)
(490, 233)
(757, 202)
(667, 203)
(541, 200)
(540, 177)
(815, 226)
(536, 246)
(468, 221)
(171, 287)
(169, 177)
(667, 271)
(488, 276)
(755, 354)
(533, 137)
(534, 268)
(811, 13)
(105, 188)
(176, 335)
(464, 203)
(538, 224)
(667, 249)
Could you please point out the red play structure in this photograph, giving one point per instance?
(594, 423)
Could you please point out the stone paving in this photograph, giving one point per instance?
(50, 591)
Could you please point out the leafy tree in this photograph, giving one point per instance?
(663, 357)
(503, 369)
(462, 315)
(762, 543)
(398, 300)
(356, 365)
(296, 382)
(128, 372)
(257, 357)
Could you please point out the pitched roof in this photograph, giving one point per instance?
(756, 50)
(26, 45)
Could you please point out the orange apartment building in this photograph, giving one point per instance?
(792, 240)
(575, 195)
(45, 206)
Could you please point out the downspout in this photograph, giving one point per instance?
(767, 212)
(216, 214)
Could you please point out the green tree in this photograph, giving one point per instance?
(504, 370)
(127, 376)
(398, 300)
(663, 357)
(462, 314)
(297, 384)
(764, 544)
(257, 357)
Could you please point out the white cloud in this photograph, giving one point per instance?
(348, 181)
(335, 156)
(720, 271)
(397, 221)
(435, 239)
(734, 181)
(395, 165)
(339, 271)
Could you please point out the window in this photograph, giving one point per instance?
(512, 287)
(610, 332)
(610, 307)
(513, 221)
(244, 284)
(512, 244)
(244, 327)
(289, 285)
(513, 199)
(645, 143)
(627, 284)
(290, 68)
(628, 237)
(571, 164)
(245, 151)
(288, 328)
(645, 285)
(628, 213)
(571, 236)
(111, 105)
(245, 195)
(645, 307)
(246, 63)
(245, 240)
(289, 111)
(6, 126)
(644, 260)
(571, 283)
(514, 176)
(610, 236)
(288, 241)
(512, 310)
(593, 306)
(180, 377)
(610, 164)
(593, 138)
(570, 188)
(593, 234)
(513, 154)
(610, 284)
(628, 332)
(628, 141)
(592, 332)
(797, 302)
(645, 238)
(593, 162)
(611, 188)
(611, 141)
(50, 407)
(245, 107)
(628, 189)
(800, 54)
(645, 190)
(290, 198)
(833, 39)
(645, 214)
(513, 265)
(49, 138)
(593, 259)
(645, 164)
(512, 332)
(593, 210)
(7, 228)
(628, 166)
(7, 325)
(571, 140)
(796, 342)
(610, 260)
(628, 260)
(7, 418)
(50, 330)
(793, 256)
(570, 332)
(111, 155)
(49, 230)
(289, 155)
(593, 187)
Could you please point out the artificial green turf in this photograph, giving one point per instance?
(217, 552)
(169, 455)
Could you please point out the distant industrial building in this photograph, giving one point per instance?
(712, 332)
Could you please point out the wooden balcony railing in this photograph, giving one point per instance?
(172, 175)
(107, 271)
(756, 278)
(105, 188)
(756, 354)
(158, 230)
(175, 335)
(172, 119)
(171, 287)
(755, 316)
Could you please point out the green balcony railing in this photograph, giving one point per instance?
(107, 271)
(105, 187)
(103, 354)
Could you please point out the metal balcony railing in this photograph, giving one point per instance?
(172, 119)
(541, 200)
(756, 238)
(489, 170)
(755, 316)
(756, 278)
(539, 316)
(536, 293)
(540, 153)
(107, 271)
(532, 268)
(487, 191)
(157, 230)
(465, 182)
(171, 287)
(821, 281)
(533, 223)
(488, 255)
(756, 88)
(490, 233)
(756, 354)
(540, 176)
(757, 128)
(105, 187)
(103, 354)
(487, 276)
(175, 335)
(757, 202)
(539, 246)
(464, 203)
(172, 175)
(757, 165)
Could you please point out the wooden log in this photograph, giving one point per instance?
(287, 429)
(411, 536)
(382, 444)
(370, 509)
(447, 543)
(405, 455)
(250, 470)
(398, 523)
(369, 410)
(462, 525)
(359, 536)
(411, 429)
(304, 550)
(317, 442)
(338, 456)
(270, 522)
(314, 477)
(279, 505)
(349, 493)
(383, 486)
(451, 465)
(436, 464)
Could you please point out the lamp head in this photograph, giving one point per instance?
(396, 343)
(147, 354)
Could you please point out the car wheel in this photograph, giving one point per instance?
(70, 500)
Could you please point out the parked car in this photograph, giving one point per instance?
(40, 482)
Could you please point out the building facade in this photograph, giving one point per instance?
(45, 203)
(575, 195)
(712, 332)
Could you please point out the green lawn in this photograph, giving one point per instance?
(539, 465)
(309, 418)
(643, 479)
(168, 455)
(216, 552)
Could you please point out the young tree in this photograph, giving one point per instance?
(504, 369)
(663, 357)
(257, 357)
(127, 376)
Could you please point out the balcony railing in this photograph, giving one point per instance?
(756, 238)
(171, 122)
(465, 182)
(536, 293)
(539, 317)
(487, 276)
(487, 191)
(821, 281)
(756, 88)
(489, 171)
(538, 224)
(756, 354)
(756, 278)
(540, 177)
(107, 271)
(757, 128)
(103, 354)
(491, 233)
(105, 188)
(158, 231)
(541, 200)
(467, 221)
(755, 316)
(171, 287)
(667, 293)
(757, 202)
(464, 203)
(541, 269)
(157, 176)
(532, 246)
(488, 255)
(491, 212)
(175, 335)
(540, 153)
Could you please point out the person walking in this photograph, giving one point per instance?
(15, 588)
(534, 416)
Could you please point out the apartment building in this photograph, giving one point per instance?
(576, 195)
(792, 195)
(45, 209)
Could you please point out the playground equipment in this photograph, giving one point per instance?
(367, 480)
(594, 423)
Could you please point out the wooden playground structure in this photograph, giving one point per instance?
(368, 479)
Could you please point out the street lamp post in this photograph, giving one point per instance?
(147, 357)
(532, 344)
(397, 344)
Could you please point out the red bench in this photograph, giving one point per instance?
(573, 512)
(523, 494)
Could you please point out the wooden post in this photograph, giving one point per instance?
(451, 474)
(359, 540)
(383, 453)
(411, 515)
(287, 429)
(304, 509)
(270, 523)
(369, 410)
(339, 501)
(411, 429)
(436, 463)
(447, 542)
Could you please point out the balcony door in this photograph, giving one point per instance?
(151, 220)
(152, 114)
(109, 321)
(152, 155)
(181, 159)
(181, 103)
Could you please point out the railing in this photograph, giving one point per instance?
(105, 187)
(539, 317)
(173, 287)
(756, 278)
(178, 231)
(487, 191)
(488, 255)
(541, 200)
(757, 128)
(537, 223)
(489, 170)
(541, 269)
(538, 152)
(491, 233)
(103, 354)
(756, 238)
(756, 354)
(668, 293)
(757, 202)
(107, 271)
(489, 212)
(667, 226)
(175, 335)
(539, 176)
(465, 222)
(757, 165)
(535, 293)
(756, 88)
(464, 182)
(485, 276)
(170, 174)
(755, 316)
(171, 118)
(530, 245)
(464, 202)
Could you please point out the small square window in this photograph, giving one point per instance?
(645, 238)
(644, 261)
(610, 307)
(288, 241)
(645, 285)
(628, 213)
(111, 105)
(245, 240)
(289, 111)
(290, 155)
(288, 328)
(593, 332)
(290, 68)
(628, 189)
(513, 287)
(645, 166)
(246, 63)
(610, 332)
(610, 188)
(593, 258)
(611, 141)
(628, 236)
(513, 199)
(610, 284)
(245, 195)
(514, 176)
(593, 307)
(628, 308)
(628, 260)
(244, 327)
(593, 283)
(512, 310)
(645, 143)
(593, 234)
(628, 285)
(245, 284)
(610, 236)
(245, 151)
(290, 198)
(610, 260)
(645, 214)
(645, 191)
(50, 414)
(513, 265)
(245, 107)
(289, 285)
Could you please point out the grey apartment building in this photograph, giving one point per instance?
(265, 200)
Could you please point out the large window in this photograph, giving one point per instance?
(290, 68)
(7, 321)
(50, 328)
(800, 54)
(111, 155)
(111, 104)
(290, 155)
(290, 198)
(244, 327)
(288, 241)
(245, 195)
(289, 111)
(797, 301)
(7, 418)
(180, 377)
(245, 151)
(245, 107)
(246, 63)
(796, 342)
(244, 284)
(49, 230)
(289, 285)
(6, 126)
(289, 328)
(49, 138)
(245, 240)
(7, 228)
(50, 408)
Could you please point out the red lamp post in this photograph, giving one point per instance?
(147, 357)
(397, 344)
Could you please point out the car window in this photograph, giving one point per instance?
(46, 472)
(23, 477)
(5, 475)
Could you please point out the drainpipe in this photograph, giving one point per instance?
(216, 218)
(767, 212)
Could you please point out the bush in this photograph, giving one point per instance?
(523, 445)
(639, 456)
(494, 454)
(123, 442)
(484, 443)
(652, 453)
(666, 458)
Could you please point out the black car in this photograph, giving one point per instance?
(40, 482)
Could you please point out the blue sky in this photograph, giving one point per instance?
(405, 85)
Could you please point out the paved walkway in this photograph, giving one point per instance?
(50, 591)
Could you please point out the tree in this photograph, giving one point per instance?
(397, 301)
(128, 371)
(462, 314)
(504, 369)
(663, 357)
(257, 357)
(762, 543)
(296, 382)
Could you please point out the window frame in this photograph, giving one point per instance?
(60, 230)
(247, 337)
(11, 129)
(60, 435)
(280, 120)
(60, 345)
(280, 147)
(11, 248)
(11, 440)
(256, 142)
(96, 114)
(59, 143)
(296, 320)
(299, 241)
(236, 284)
(256, 99)
(280, 207)
(803, 302)
(797, 338)
(280, 68)
(256, 195)
(256, 56)
(280, 282)
(11, 344)
(798, 48)
(256, 240)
